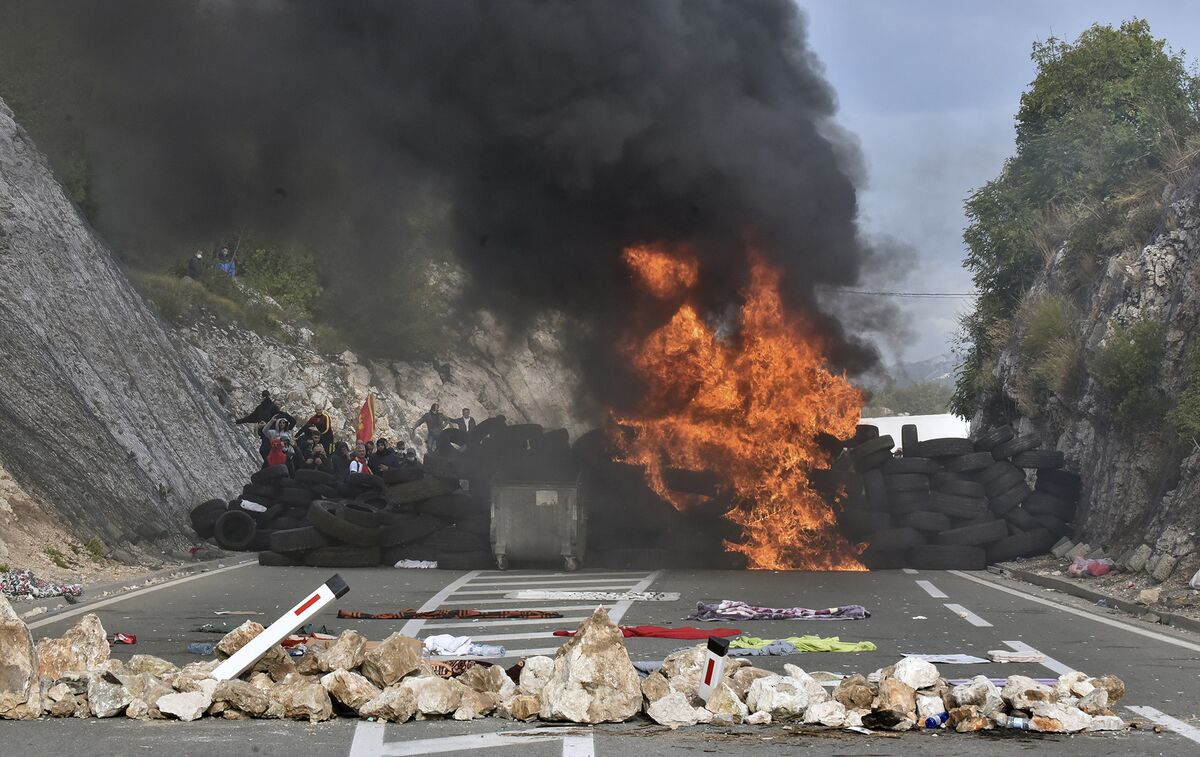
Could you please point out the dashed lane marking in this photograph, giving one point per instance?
(1049, 663)
(968, 616)
(1190, 732)
(910, 571)
(932, 590)
(623, 606)
(368, 742)
(507, 622)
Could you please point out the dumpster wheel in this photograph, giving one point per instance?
(570, 562)
(502, 562)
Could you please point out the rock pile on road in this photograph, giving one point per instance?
(952, 503)
(590, 680)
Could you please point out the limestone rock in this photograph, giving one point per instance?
(896, 696)
(830, 712)
(303, 697)
(435, 696)
(593, 680)
(138, 709)
(155, 666)
(915, 672)
(855, 691)
(535, 674)
(1052, 717)
(758, 718)
(654, 688)
(344, 654)
(816, 692)
(1095, 702)
(1149, 596)
(82, 647)
(854, 717)
(781, 696)
(395, 657)
(726, 707)
(189, 705)
(486, 678)
(524, 707)
(144, 690)
(475, 704)
(977, 723)
(979, 691)
(740, 679)
(673, 710)
(106, 699)
(349, 688)
(237, 638)
(242, 696)
(277, 663)
(682, 669)
(19, 682)
(929, 706)
(395, 704)
(185, 679)
(1113, 685)
(1106, 723)
(1022, 693)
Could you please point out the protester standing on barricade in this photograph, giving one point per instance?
(435, 422)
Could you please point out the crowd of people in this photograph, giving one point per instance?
(312, 446)
(225, 261)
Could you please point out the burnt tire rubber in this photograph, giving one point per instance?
(455, 540)
(343, 556)
(998, 486)
(947, 557)
(901, 503)
(1016, 446)
(1041, 503)
(967, 463)
(1009, 499)
(409, 530)
(920, 465)
(995, 471)
(366, 481)
(204, 517)
(480, 525)
(360, 514)
(466, 560)
(873, 487)
(859, 523)
(325, 516)
(311, 476)
(880, 559)
(873, 446)
(945, 447)
(298, 539)
(958, 507)
(235, 530)
(1039, 458)
(1056, 526)
(864, 432)
(489, 426)
(295, 496)
(909, 439)
(958, 487)
(277, 560)
(253, 491)
(873, 461)
(1010, 548)
(975, 535)
(1020, 517)
(895, 539)
(925, 520)
(906, 482)
(987, 440)
(401, 475)
(269, 475)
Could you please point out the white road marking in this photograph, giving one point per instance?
(1190, 732)
(92, 606)
(413, 627)
(1050, 663)
(508, 654)
(525, 604)
(968, 616)
(556, 582)
(530, 621)
(368, 742)
(932, 590)
(538, 577)
(910, 571)
(581, 587)
(1084, 614)
(623, 606)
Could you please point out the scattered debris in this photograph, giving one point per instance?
(1081, 567)
(22, 583)
(1004, 655)
(417, 564)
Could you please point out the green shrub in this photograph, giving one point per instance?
(1050, 357)
(288, 277)
(1185, 416)
(919, 398)
(180, 299)
(1127, 369)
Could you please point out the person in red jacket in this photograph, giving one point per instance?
(324, 425)
(277, 456)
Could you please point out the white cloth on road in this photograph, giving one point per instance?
(416, 564)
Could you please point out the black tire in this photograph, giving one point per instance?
(441, 466)
(360, 514)
(372, 498)
(253, 491)
(1040, 503)
(1054, 525)
(286, 523)
(489, 426)
(1000, 485)
(480, 525)
(921, 465)
(451, 435)
(452, 507)
(1069, 482)
(947, 557)
(879, 559)
(269, 475)
(1009, 499)
(958, 507)
(518, 435)
(877, 496)
(1020, 517)
(902, 503)
(312, 476)
(906, 482)
(412, 529)
(204, 517)
(895, 539)
(366, 481)
(455, 540)
(873, 461)
(975, 535)
(235, 530)
(987, 440)
(945, 447)
(277, 560)
(967, 463)
(909, 439)
(343, 556)
(873, 446)
(298, 540)
(1010, 548)
(466, 560)
(325, 491)
(401, 475)
(995, 471)
(1043, 540)
(925, 520)
(864, 432)
(417, 491)
(859, 523)
(325, 516)
(296, 496)
(958, 487)
(269, 518)
(1016, 446)
(1039, 458)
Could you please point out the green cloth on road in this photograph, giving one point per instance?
(805, 644)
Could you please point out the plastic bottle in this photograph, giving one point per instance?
(201, 647)
(1008, 721)
(935, 721)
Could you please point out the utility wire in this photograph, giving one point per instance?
(927, 295)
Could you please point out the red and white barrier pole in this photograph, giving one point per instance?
(244, 658)
(714, 667)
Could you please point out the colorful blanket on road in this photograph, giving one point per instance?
(732, 609)
(22, 583)
(411, 614)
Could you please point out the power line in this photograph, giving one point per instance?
(927, 295)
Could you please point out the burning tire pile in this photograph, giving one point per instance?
(403, 514)
(954, 503)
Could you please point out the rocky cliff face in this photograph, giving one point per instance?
(1142, 484)
(103, 414)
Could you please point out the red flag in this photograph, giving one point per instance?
(366, 420)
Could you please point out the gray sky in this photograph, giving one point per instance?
(930, 87)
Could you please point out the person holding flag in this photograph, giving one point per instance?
(366, 420)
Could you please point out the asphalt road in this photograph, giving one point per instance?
(1161, 667)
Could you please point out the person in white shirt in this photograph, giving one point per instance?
(358, 462)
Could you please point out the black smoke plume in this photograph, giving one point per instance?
(556, 133)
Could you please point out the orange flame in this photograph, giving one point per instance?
(748, 408)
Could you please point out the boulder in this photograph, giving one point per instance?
(896, 696)
(237, 638)
(435, 696)
(980, 692)
(242, 696)
(185, 679)
(782, 696)
(395, 704)
(475, 704)
(673, 710)
(349, 688)
(915, 672)
(855, 692)
(1095, 702)
(489, 679)
(725, 706)
(830, 713)
(593, 680)
(654, 688)
(155, 666)
(346, 653)
(1113, 685)
(524, 707)
(19, 681)
(303, 697)
(83, 647)
(277, 663)
(535, 674)
(1106, 723)
(1149, 596)
(188, 705)
(1073, 685)
(758, 718)
(929, 706)
(740, 679)
(106, 699)
(1052, 717)
(144, 690)
(1022, 693)
(816, 692)
(682, 670)
(395, 657)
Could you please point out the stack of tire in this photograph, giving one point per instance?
(403, 514)
(953, 503)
